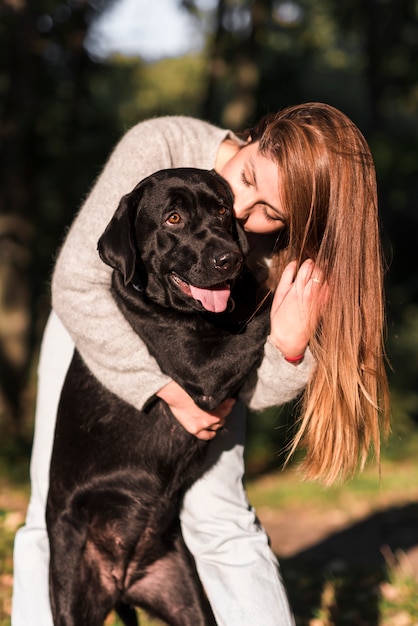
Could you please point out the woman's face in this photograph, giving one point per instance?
(254, 180)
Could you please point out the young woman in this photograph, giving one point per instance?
(305, 175)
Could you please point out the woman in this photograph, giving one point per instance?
(306, 175)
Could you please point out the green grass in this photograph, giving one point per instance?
(399, 597)
(144, 620)
(324, 594)
(6, 579)
(277, 490)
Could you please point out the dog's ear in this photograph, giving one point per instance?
(117, 246)
(240, 237)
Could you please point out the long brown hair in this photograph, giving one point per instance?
(328, 188)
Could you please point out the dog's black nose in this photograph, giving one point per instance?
(227, 261)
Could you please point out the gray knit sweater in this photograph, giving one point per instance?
(81, 281)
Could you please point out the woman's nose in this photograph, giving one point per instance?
(242, 221)
(242, 212)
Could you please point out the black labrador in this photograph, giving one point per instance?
(117, 474)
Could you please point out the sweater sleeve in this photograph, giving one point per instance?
(81, 281)
(276, 381)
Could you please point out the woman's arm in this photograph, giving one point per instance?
(81, 281)
(276, 381)
(295, 313)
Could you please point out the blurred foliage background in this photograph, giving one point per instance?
(62, 109)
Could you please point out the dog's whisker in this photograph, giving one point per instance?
(257, 309)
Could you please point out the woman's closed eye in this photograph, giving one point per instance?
(271, 216)
(244, 179)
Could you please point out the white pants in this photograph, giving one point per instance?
(235, 563)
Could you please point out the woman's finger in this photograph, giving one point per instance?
(205, 435)
(305, 273)
(285, 283)
(210, 431)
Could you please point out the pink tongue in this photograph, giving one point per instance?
(214, 300)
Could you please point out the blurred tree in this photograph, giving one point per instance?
(59, 118)
(172, 86)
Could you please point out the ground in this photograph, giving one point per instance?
(335, 549)
(361, 537)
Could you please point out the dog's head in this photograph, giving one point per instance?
(175, 237)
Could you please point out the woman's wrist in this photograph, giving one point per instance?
(172, 393)
(291, 353)
(294, 359)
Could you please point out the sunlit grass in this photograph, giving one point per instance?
(399, 593)
(143, 618)
(6, 569)
(397, 480)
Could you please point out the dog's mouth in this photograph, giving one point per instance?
(213, 299)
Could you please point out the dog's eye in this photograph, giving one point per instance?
(222, 211)
(174, 218)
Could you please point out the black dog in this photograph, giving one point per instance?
(117, 475)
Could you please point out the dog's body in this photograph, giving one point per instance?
(117, 474)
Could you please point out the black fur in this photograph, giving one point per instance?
(117, 475)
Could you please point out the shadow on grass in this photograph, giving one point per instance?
(338, 580)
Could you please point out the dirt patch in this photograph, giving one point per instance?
(358, 538)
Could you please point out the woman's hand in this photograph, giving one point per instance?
(296, 308)
(197, 422)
